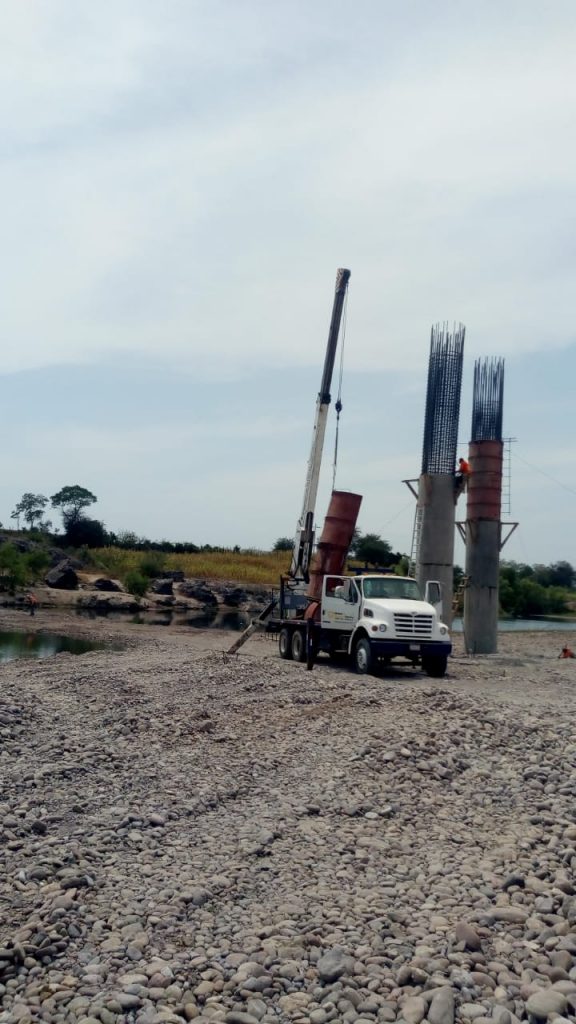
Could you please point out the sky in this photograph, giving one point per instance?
(180, 182)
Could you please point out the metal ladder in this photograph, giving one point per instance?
(506, 475)
(416, 532)
(458, 597)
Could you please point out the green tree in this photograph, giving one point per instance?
(89, 533)
(559, 574)
(283, 544)
(30, 507)
(373, 550)
(71, 501)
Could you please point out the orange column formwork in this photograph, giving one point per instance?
(333, 546)
(483, 541)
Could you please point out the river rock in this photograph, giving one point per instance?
(332, 965)
(545, 1002)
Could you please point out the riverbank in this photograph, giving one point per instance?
(190, 836)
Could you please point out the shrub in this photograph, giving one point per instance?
(152, 564)
(136, 583)
(13, 568)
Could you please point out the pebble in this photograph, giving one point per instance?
(317, 854)
(545, 1002)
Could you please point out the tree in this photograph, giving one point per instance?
(89, 533)
(373, 550)
(560, 574)
(72, 500)
(30, 507)
(283, 544)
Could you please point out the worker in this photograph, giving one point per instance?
(566, 652)
(461, 476)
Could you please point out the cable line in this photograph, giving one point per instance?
(543, 473)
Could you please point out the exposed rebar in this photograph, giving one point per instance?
(488, 400)
(443, 399)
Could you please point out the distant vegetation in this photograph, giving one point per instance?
(263, 567)
(528, 590)
(525, 590)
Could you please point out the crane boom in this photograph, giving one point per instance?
(304, 541)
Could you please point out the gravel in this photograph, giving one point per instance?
(189, 837)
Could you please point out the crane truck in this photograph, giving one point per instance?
(371, 619)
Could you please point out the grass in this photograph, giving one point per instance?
(258, 567)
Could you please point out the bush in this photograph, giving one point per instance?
(152, 564)
(136, 583)
(13, 568)
(18, 569)
(37, 562)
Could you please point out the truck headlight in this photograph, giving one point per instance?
(443, 630)
(383, 627)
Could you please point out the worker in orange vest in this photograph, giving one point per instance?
(461, 476)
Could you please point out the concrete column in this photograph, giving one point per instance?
(481, 600)
(483, 541)
(436, 546)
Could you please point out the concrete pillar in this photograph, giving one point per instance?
(481, 601)
(483, 541)
(436, 545)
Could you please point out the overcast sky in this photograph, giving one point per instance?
(180, 181)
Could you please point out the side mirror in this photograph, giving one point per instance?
(433, 595)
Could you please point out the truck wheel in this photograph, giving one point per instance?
(284, 643)
(435, 667)
(363, 658)
(298, 645)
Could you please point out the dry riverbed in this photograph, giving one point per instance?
(187, 836)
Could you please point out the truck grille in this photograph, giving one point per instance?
(410, 625)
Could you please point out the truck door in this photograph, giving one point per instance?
(339, 609)
(433, 596)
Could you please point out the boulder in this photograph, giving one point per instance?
(199, 591)
(233, 597)
(62, 577)
(103, 583)
(163, 586)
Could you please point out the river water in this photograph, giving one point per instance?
(40, 645)
(523, 625)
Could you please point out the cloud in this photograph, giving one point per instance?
(188, 185)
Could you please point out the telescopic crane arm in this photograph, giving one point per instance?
(304, 541)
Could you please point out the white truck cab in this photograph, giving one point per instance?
(380, 617)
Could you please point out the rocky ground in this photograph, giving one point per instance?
(187, 836)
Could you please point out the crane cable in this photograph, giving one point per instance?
(338, 405)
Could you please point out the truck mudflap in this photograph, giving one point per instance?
(409, 649)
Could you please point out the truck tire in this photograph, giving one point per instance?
(435, 666)
(363, 657)
(285, 643)
(298, 647)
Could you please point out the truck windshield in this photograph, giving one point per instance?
(391, 586)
